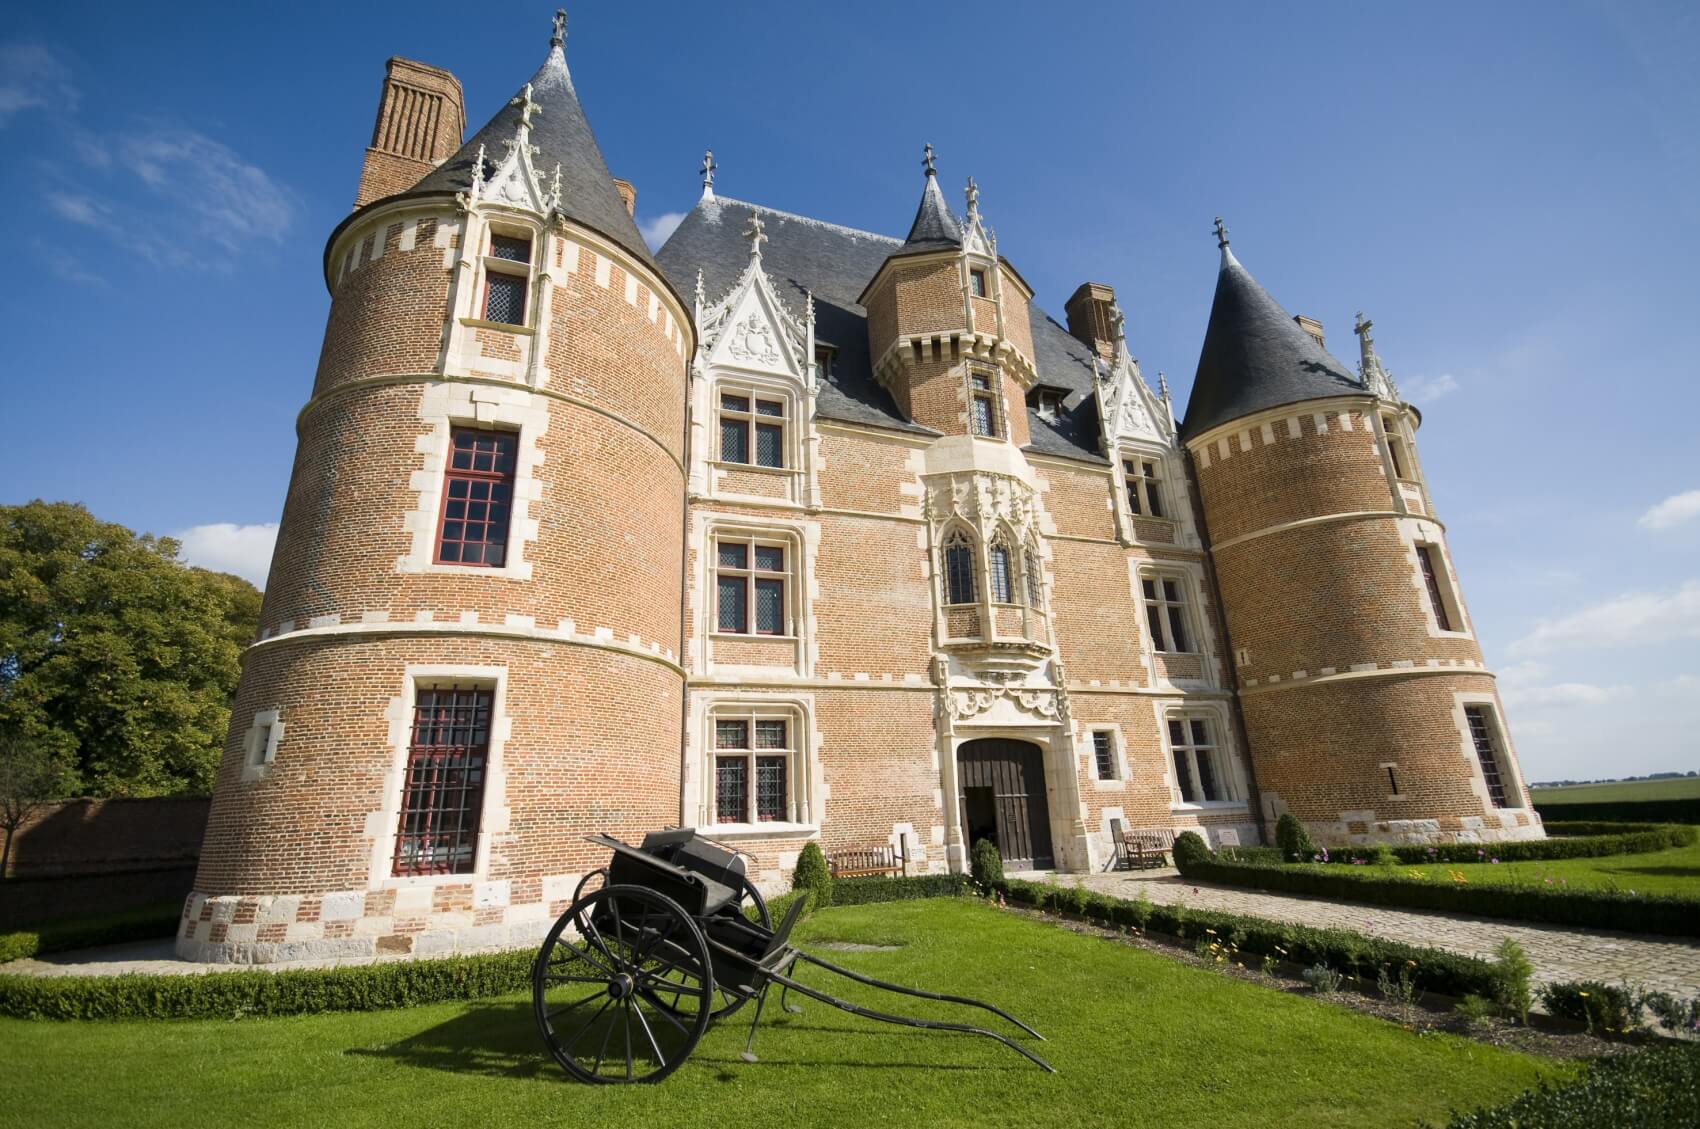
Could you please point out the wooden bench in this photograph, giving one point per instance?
(1142, 849)
(867, 862)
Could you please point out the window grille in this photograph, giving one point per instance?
(731, 789)
(1194, 751)
(1104, 752)
(1484, 734)
(1165, 613)
(504, 298)
(444, 790)
(750, 584)
(737, 763)
(512, 248)
(478, 489)
(984, 405)
(770, 789)
(998, 575)
(958, 569)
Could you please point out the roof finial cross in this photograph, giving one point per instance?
(929, 161)
(1363, 326)
(560, 35)
(1221, 233)
(756, 235)
(973, 197)
(707, 171)
(526, 106)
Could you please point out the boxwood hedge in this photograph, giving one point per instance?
(145, 924)
(1656, 1088)
(1566, 841)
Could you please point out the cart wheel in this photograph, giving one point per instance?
(593, 880)
(627, 997)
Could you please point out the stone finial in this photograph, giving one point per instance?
(928, 161)
(1118, 325)
(1221, 233)
(560, 35)
(756, 234)
(973, 194)
(707, 171)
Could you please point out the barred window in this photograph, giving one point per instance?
(443, 794)
(1484, 734)
(1198, 771)
(750, 584)
(739, 421)
(750, 749)
(998, 574)
(1144, 488)
(507, 278)
(1104, 753)
(1035, 577)
(478, 490)
(958, 569)
(983, 404)
(1165, 612)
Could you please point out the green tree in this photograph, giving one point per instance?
(29, 777)
(115, 656)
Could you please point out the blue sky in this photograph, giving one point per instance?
(1507, 189)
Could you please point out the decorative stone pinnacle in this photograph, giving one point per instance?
(707, 171)
(1162, 385)
(1221, 233)
(526, 107)
(973, 193)
(700, 295)
(560, 35)
(1361, 328)
(1118, 323)
(755, 234)
(928, 160)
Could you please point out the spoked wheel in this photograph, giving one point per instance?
(627, 996)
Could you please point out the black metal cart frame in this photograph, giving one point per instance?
(631, 975)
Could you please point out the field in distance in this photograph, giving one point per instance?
(1670, 788)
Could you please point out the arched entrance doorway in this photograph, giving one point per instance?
(1002, 787)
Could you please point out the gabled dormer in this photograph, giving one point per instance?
(753, 385)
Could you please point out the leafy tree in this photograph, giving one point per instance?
(114, 655)
(29, 776)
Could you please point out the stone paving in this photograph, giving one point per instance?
(1558, 952)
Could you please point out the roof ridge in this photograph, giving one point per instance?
(719, 199)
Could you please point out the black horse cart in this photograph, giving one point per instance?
(674, 938)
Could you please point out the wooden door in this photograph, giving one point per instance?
(1014, 773)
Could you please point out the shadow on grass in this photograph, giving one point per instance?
(502, 1041)
(1662, 871)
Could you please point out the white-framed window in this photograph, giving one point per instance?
(1105, 762)
(1000, 572)
(1048, 402)
(983, 415)
(1166, 614)
(957, 567)
(1142, 478)
(977, 282)
(1488, 739)
(505, 296)
(752, 427)
(1437, 582)
(824, 355)
(1398, 452)
(259, 745)
(1203, 774)
(752, 585)
(754, 766)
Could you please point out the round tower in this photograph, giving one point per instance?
(468, 655)
(1368, 710)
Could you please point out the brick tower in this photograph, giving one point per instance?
(1368, 710)
(469, 647)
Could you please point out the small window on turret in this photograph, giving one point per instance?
(1396, 447)
(507, 277)
(984, 405)
(977, 283)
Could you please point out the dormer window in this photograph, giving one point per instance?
(1048, 402)
(1144, 487)
(977, 282)
(983, 404)
(1396, 447)
(752, 430)
(823, 361)
(507, 278)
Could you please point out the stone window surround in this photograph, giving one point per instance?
(1177, 499)
(257, 759)
(1118, 750)
(493, 819)
(750, 573)
(993, 392)
(1203, 640)
(805, 796)
(445, 406)
(739, 382)
(800, 590)
(1510, 772)
(1415, 531)
(1230, 763)
(488, 262)
(1020, 550)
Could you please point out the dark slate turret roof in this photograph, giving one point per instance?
(835, 264)
(562, 134)
(1256, 357)
(934, 229)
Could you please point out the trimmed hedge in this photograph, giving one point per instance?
(145, 924)
(1658, 1088)
(1628, 811)
(230, 995)
(863, 891)
(1569, 905)
(1623, 839)
(1354, 954)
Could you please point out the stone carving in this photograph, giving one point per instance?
(983, 499)
(752, 340)
(965, 704)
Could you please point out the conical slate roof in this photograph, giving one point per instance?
(1256, 357)
(561, 134)
(934, 227)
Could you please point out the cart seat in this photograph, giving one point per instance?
(698, 894)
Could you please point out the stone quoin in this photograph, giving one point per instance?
(792, 532)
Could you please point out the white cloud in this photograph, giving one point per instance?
(1427, 389)
(77, 208)
(224, 197)
(1672, 512)
(656, 231)
(31, 77)
(223, 546)
(1682, 686)
(1561, 694)
(1632, 618)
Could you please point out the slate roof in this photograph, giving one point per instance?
(1256, 357)
(835, 264)
(935, 228)
(562, 134)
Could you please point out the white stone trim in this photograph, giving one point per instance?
(259, 745)
(1118, 750)
(1415, 531)
(514, 627)
(1196, 589)
(801, 539)
(806, 780)
(1510, 771)
(1231, 758)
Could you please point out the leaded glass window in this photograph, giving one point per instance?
(751, 580)
(998, 577)
(958, 569)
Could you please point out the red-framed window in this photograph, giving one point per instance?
(478, 493)
(444, 790)
(1485, 736)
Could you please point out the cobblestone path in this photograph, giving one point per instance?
(1558, 952)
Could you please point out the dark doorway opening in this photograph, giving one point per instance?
(1002, 784)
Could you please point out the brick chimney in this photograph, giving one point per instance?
(1088, 311)
(628, 195)
(1310, 326)
(421, 116)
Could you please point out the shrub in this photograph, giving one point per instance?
(1561, 905)
(1570, 841)
(1631, 811)
(1322, 979)
(1673, 1013)
(1515, 970)
(985, 864)
(1293, 839)
(1657, 1088)
(145, 924)
(1190, 849)
(1610, 1009)
(1474, 1009)
(812, 875)
(864, 891)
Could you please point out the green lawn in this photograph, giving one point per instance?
(1138, 1039)
(1674, 871)
(1677, 788)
